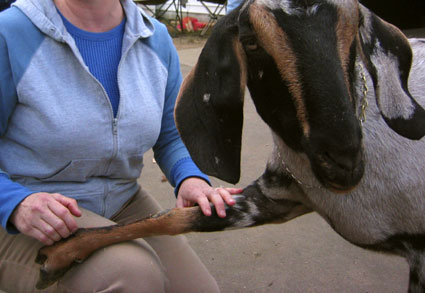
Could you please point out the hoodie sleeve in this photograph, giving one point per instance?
(169, 150)
(11, 193)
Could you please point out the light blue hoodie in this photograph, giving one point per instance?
(57, 128)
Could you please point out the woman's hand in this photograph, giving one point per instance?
(195, 190)
(47, 217)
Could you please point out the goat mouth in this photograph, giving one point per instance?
(339, 189)
(336, 177)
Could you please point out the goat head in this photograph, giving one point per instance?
(298, 60)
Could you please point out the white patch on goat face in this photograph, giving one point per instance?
(292, 8)
(206, 97)
(367, 26)
(289, 7)
(393, 101)
(260, 74)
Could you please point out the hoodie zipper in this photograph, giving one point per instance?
(114, 128)
(114, 119)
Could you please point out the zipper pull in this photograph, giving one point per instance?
(114, 126)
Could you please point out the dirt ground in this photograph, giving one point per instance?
(189, 41)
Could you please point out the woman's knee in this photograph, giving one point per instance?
(126, 267)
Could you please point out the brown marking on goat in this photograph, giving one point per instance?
(274, 40)
(241, 57)
(346, 31)
(185, 84)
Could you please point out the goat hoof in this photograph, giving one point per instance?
(56, 260)
(48, 273)
(47, 278)
(41, 258)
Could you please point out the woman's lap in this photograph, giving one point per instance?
(154, 264)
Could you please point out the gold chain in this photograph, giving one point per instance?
(295, 178)
(363, 103)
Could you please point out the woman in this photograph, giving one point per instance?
(86, 87)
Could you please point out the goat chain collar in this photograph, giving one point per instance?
(364, 89)
(300, 183)
(295, 178)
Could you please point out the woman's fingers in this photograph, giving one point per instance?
(48, 230)
(40, 236)
(54, 218)
(69, 203)
(64, 222)
(46, 217)
(204, 204)
(195, 190)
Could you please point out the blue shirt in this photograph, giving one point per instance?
(102, 54)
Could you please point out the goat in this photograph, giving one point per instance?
(312, 68)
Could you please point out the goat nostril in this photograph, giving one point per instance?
(346, 162)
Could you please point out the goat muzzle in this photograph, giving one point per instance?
(339, 173)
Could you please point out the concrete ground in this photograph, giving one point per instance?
(303, 255)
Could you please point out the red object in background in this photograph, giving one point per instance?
(191, 24)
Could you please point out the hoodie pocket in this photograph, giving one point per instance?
(77, 171)
(130, 168)
(82, 169)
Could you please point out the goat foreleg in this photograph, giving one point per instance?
(252, 208)
(58, 258)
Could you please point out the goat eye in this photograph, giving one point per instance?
(250, 44)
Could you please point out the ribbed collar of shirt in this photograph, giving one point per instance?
(113, 33)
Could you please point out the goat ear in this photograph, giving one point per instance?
(388, 58)
(209, 108)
